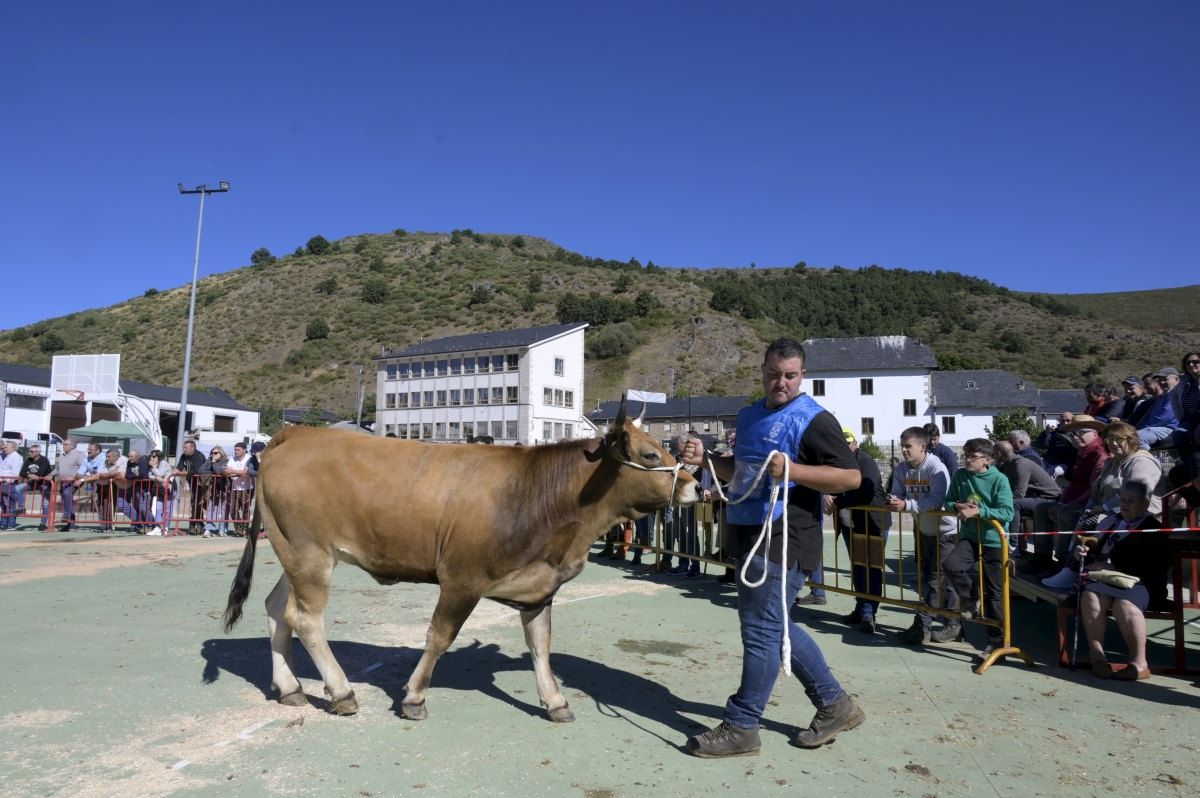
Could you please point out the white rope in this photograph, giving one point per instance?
(778, 487)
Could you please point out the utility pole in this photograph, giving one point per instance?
(203, 191)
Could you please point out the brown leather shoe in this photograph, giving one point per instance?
(1102, 670)
(1132, 674)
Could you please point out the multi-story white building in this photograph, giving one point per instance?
(515, 386)
(876, 386)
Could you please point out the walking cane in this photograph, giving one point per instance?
(1078, 594)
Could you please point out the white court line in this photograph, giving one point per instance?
(244, 734)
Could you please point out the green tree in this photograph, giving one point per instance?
(646, 303)
(312, 417)
(616, 340)
(952, 361)
(1011, 419)
(270, 419)
(377, 264)
(622, 284)
(150, 292)
(480, 295)
(400, 232)
(52, 342)
(534, 283)
(518, 242)
(318, 245)
(1014, 341)
(529, 303)
(327, 286)
(374, 291)
(261, 257)
(316, 330)
(1075, 347)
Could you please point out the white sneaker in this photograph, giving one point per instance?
(206, 534)
(1064, 579)
(156, 532)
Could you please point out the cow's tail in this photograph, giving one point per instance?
(245, 572)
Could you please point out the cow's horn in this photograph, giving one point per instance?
(621, 413)
(638, 422)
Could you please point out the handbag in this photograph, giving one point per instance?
(1113, 579)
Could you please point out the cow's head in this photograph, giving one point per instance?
(647, 470)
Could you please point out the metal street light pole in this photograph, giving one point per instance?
(203, 191)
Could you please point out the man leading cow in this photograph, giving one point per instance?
(812, 455)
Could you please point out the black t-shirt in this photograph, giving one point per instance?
(822, 444)
(35, 467)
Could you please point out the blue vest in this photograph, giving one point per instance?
(759, 430)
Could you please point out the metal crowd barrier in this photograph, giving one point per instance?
(219, 502)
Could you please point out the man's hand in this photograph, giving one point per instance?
(779, 466)
(896, 504)
(693, 452)
(827, 504)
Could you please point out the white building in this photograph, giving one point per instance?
(965, 402)
(877, 386)
(515, 386)
(30, 407)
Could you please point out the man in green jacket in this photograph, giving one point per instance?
(978, 495)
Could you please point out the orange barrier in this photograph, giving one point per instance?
(26, 498)
(217, 504)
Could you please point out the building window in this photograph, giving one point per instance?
(455, 365)
(970, 385)
(910, 407)
(224, 423)
(20, 402)
(468, 396)
(511, 362)
(401, 400)
(440, 431)
(510, 394)
(430, 368)
(392, 371)
(443, 368)
(468, 429)
(428, 399)
(558, 433)
(403, 371)
(498, 396)
(547, 430)
(426, 432)
(547, 396)
(455, 397)
(666, 426)
(510, 430)
(558, 397)
(560, 367)
(868, 426)
(441, 398)
(707, 426)
(497, 429)
(483, 396)
(497, 363)
(568, 431)
(948, 425)
(482, 364)
(866, 386)
(389, 401)
(818, 387)
(455, 430)
(468, 365)
(568, 398)
(402, 431)
(416, 398)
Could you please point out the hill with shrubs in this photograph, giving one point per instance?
(292, 330)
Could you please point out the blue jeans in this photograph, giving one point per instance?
(761, 619)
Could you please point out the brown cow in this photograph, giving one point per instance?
(507, 523)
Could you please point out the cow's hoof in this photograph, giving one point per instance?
(298, 699)
(561, 715)
(414, 711)
(344, 706)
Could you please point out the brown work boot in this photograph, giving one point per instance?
(724, 740)
(841, 715)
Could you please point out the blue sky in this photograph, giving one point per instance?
(1044, 146)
